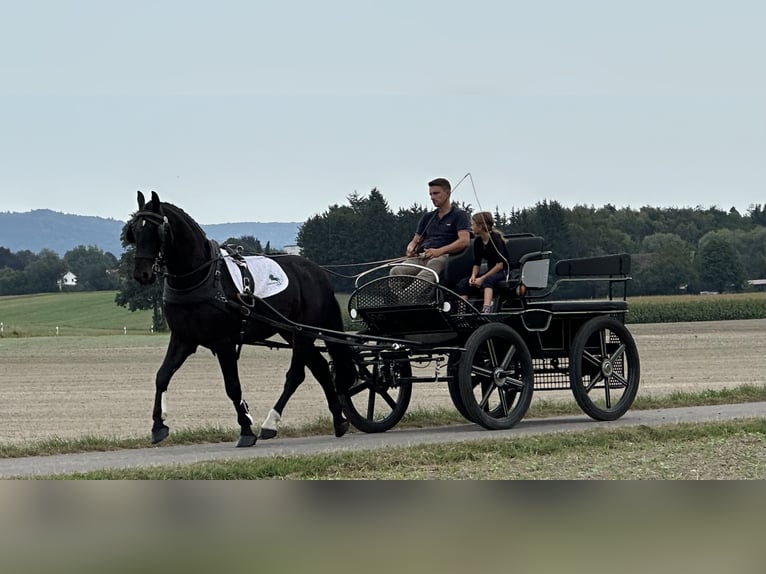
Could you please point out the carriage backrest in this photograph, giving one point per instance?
(605, 265)
(458, 266)
(519, 245)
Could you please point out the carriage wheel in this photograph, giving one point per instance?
(496, 377)
(454, 392)
(604, 368)
(378, 400)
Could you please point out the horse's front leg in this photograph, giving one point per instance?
(178, 351)
(227, 359)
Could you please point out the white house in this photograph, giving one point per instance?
(292, 249)
(68, 280)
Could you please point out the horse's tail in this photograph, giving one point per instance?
(342, 355)
(343, 362)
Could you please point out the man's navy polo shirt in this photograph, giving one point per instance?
(441, 232)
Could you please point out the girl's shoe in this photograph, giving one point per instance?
(486, 309)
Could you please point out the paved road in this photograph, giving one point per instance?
(70, 463)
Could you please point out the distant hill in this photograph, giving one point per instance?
(45, 229)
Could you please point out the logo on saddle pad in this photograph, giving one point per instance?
(268, 277)
(273, 280)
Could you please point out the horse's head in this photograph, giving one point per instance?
(149, 231)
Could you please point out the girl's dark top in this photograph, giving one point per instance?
(492, 251)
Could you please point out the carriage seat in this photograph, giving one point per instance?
(526, 260)
(609, 268)
(581, 306)
(522, 248)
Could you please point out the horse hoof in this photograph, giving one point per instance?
(341, 428)
(246, 440)
(266, 434)
(160, 434)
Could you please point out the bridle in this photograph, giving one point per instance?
(163, 228)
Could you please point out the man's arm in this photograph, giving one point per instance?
(462, 241)
(412, 246)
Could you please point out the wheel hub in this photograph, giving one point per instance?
(607, 368)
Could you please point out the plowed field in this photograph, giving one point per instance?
(75, 386)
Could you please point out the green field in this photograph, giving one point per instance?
(685, 308)
(96, 313)
(80, 313)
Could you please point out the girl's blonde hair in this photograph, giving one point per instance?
(484, 220)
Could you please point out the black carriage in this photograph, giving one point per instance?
(543, 335)
(491, 363)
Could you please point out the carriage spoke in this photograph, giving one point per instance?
(596, 379)
(518, 383)
(503, 402)
(388, 398)
(593, 360)
(485, 399)
(607, 394)
(356, 389)
(371, 405)
(603, 338)
(481, 372)
(618, 353)
(508, 357)
(492, 352)
(620, 379)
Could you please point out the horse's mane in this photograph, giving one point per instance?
(184, 217)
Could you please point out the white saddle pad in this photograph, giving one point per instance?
(268, 276)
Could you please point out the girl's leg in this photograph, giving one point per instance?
(487, 308)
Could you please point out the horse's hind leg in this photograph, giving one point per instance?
(305, 354)
(178, 351)
(296, 374)
(227, 359)
(319, 367)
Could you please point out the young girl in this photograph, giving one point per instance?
(488, 245)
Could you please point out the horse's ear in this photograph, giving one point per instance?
(141, 201)
(155, 202)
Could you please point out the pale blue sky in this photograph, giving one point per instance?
(272, 111)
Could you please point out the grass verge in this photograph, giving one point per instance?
(709, 451)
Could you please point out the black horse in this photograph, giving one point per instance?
(203, 306)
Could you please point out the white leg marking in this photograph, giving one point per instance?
(163, 407)
(272, 421)
(247, 411)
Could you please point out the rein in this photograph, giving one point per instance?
(328, 268)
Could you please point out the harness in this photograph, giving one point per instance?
(209, 290)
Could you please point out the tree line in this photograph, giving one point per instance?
(25, 272)
(674, 249)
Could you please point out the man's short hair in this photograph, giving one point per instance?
(441, 182)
